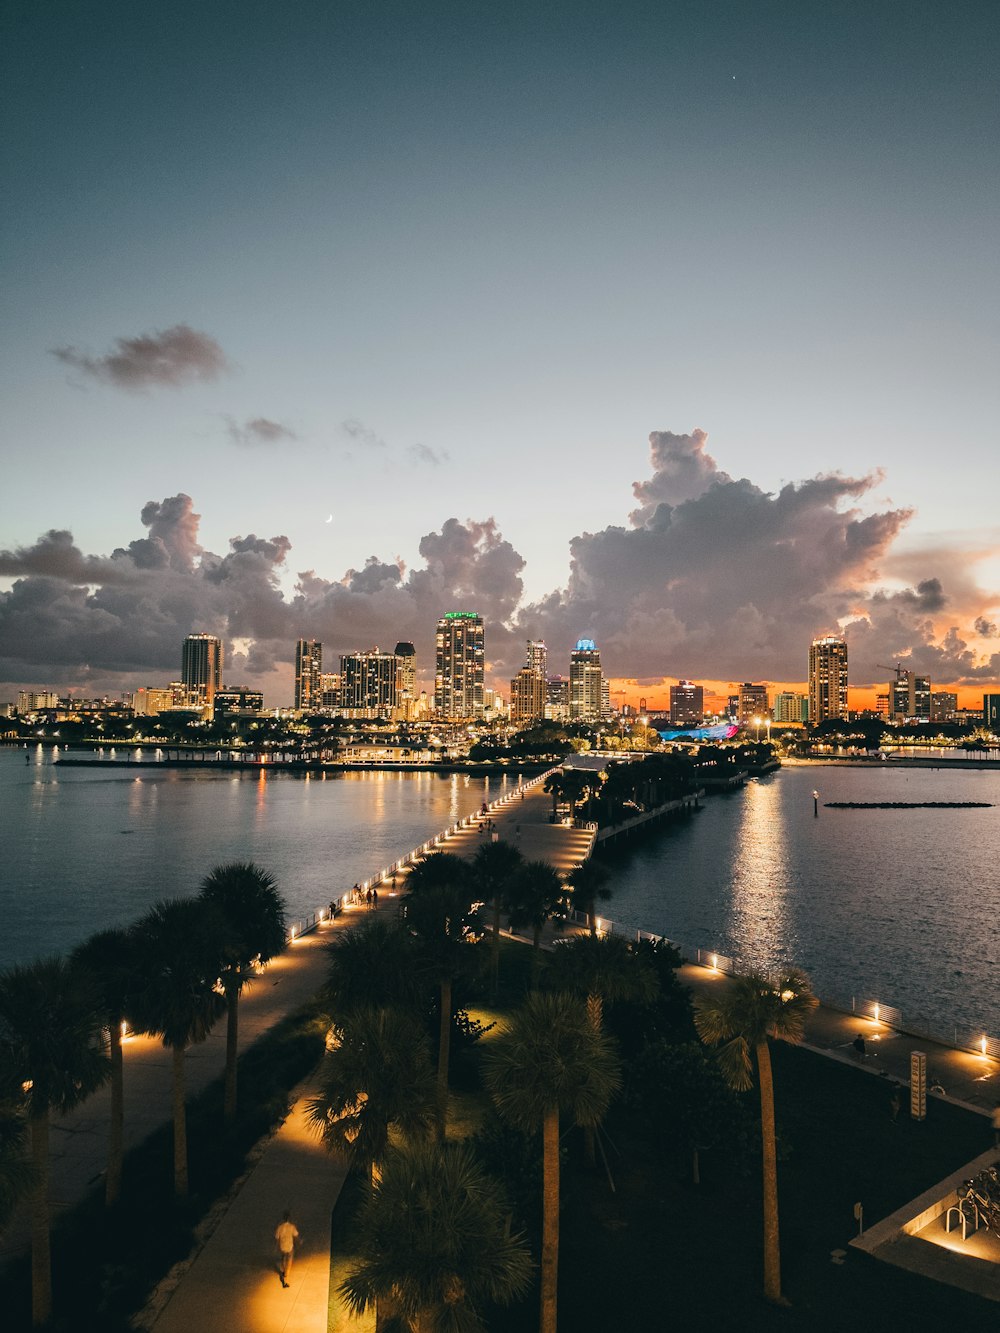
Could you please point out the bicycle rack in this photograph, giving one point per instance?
(961, 1214)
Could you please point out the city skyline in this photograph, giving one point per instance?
(660, 328)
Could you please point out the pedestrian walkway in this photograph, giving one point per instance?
(973, 1080)
(232, 1285)
(525, 822)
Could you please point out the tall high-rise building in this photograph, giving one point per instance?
(368, 682)
(827, 678)
(308, 675)
(556, 699)
(687, 703)
(991, 712)
(909, 697)
(752, 702)
(459, 663)
(527, 688)
(201, 668)
(406, 680)
(586, 682)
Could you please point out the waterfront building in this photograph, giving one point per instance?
(687, 703)
(329, 691)
(586, 682)
(909, 697)
(527, 697)
(991, 712)
(944, 705)
(752, 702)
(459, 662)
(827, 679)
(368, 683)
(536, 656)
(201, 669)
(308, 675)
(791, 707)
(882, 706)
(147, 701)
(238, 701)
(31, 701)
(556, 699)
(406, 680)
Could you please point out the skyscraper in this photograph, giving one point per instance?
(909, 697)
(201, 668)
(406, 680)
(753, 702)
(308, 675)
(687, 703)
(827, 679)
(459, 665)
(527, 689)
(586, 682)
(368, 682)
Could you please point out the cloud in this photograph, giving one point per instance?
(362, 434)
(167, 358)
(711, 577)
(259, 430)
(423, 453)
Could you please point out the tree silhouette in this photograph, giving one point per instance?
(550, 1062)
(745, 1015)
(494, 867)
(589, 883)
(435, 1242)
(182, 948)
(380, 1076)
(52, 1057)
(253, 921)
(438, 911)
(537, 894)
(110, 959)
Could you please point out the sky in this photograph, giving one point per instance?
(670, 325)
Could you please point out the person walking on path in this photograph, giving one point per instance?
(286, 1234)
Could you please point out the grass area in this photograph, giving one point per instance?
(105, 1261)
(663, 1245)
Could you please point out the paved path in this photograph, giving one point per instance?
(524, 822)
(232, 1284)
(971, 1079)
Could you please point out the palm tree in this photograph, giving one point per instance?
(110, 960)
(549, 1062)
(379, 1077)
(253, 913)
(588, 883)
(604, 969)
(570, 785)
(752, 1009)
(536, 895)
(438, 911)
(493, 867)
(374, 964)
(52, 1057)
(182, 947)
(17, 1175)
(435, 1242)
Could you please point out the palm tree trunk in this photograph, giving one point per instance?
(550, 1220)
(180, 1125)
(232, 1041)
(444, 1051)
(496, 945)
(772, 1247)
(41, 1250)
(116, 1132)
(595, 1016)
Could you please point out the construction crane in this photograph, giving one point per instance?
(899, 669)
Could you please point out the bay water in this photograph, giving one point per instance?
(897, 906)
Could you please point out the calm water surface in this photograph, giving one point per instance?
(85, 848)
(899, 906)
